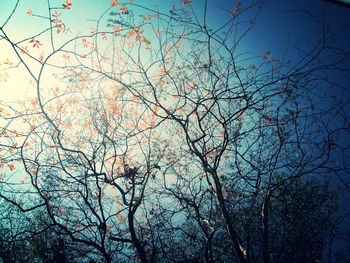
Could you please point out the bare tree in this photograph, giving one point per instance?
(155, 129)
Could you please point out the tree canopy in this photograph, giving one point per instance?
(156, 137)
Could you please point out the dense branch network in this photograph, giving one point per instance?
(155, 138)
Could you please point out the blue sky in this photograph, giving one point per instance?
(278, 22)
(281, 24)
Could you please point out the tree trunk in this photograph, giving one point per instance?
(239, 251)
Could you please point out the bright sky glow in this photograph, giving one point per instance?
(209, 100)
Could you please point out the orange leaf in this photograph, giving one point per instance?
(121, 218)
(68, 4)
(123, 9)
(131, 33)
(85, 43)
